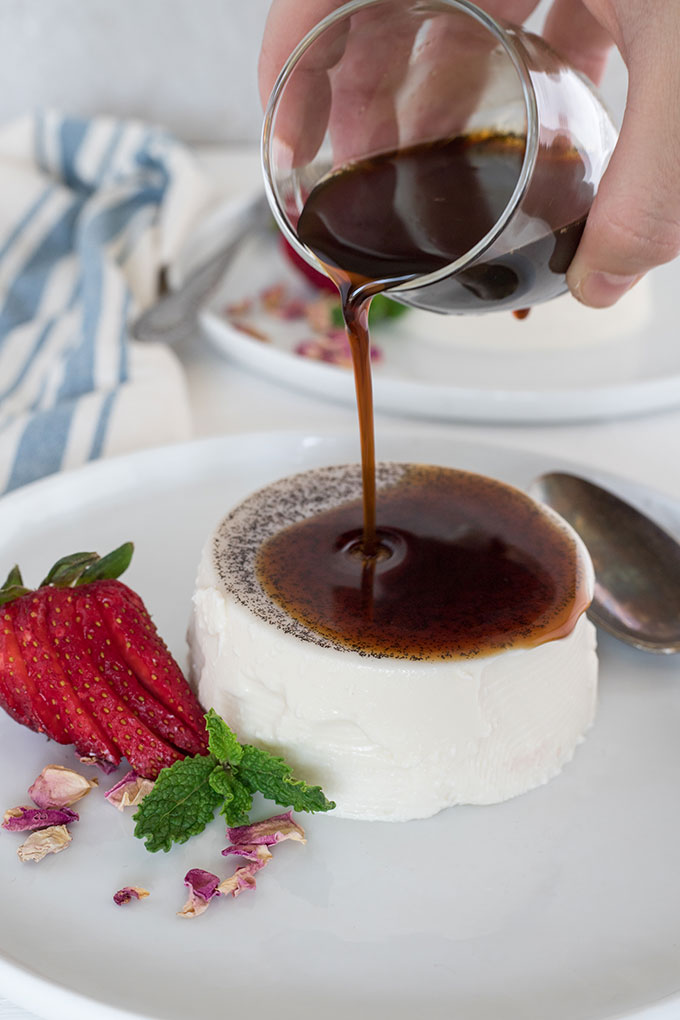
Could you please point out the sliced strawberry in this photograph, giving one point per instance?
(146, 752)
(17, 692)
(81, 661)
(66, 719)
(107, 658)
(145, 652)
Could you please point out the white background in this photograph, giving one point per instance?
(189, 64)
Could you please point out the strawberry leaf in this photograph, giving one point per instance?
(14, 579)
(68, 569)
(14, 591)
(180, 805)
(109, 567)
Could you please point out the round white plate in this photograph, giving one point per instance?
(561, 904)
(564, 362)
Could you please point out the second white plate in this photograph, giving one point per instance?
(564, 363)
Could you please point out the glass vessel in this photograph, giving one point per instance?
(379, 77)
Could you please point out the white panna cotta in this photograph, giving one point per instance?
(402, 735)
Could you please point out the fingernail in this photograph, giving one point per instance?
(600, 290)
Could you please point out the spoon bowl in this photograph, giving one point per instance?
(637, 563)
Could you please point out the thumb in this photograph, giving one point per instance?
(634, 223)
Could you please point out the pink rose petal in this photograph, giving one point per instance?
(130, 791)
(128, 893)
(242, 879)
(258, 854)
(269, 831)
(203, 887)
(57, 787)
(23, 819)
(43, 842)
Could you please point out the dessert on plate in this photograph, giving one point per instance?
(457, 666)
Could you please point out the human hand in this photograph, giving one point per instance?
(634, 223)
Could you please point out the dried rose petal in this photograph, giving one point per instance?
(22, 819)
(43, 842)
(259, 854)
(273, 297)
(257, 334)
(311, 349)
(58, 787)
(269, 831)
(129, 892)
(107, 767)
(293, 309)
(319, 313)
(242, 879)
(130, 791)
(241, 307)
(203, 887)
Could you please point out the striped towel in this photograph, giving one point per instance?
(90, 210)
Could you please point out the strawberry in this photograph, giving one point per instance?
(319, 280)
(82, 662)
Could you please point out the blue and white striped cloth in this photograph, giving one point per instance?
(90, 210)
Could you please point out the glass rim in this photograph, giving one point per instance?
(502, 34)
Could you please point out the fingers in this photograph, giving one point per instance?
(575, 33)
(366, 81)
(287, 23)
(446, 80)
(634, 223)
(304, 108)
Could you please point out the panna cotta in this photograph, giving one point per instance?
(457, 667)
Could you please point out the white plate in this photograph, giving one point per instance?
(561, 904)
(564, 363)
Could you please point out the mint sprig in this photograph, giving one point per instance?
(380, 309)
(186, 795)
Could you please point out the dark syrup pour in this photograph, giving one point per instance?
(458, 565)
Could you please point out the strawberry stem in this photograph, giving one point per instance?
(76, 569)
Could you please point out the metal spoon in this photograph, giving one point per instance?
(637, 563)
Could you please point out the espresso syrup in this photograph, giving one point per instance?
(454, 564)
(465, 566)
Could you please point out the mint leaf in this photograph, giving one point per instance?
(180, 805)
(186, 795)
(220, 781)
(382, 307)
(260, 770)
(236, 809)
(222, 741)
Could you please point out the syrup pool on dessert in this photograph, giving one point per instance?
(464, 566)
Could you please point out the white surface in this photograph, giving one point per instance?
(562, 903)
(564, 363)
(388, 739)
(190, 66)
